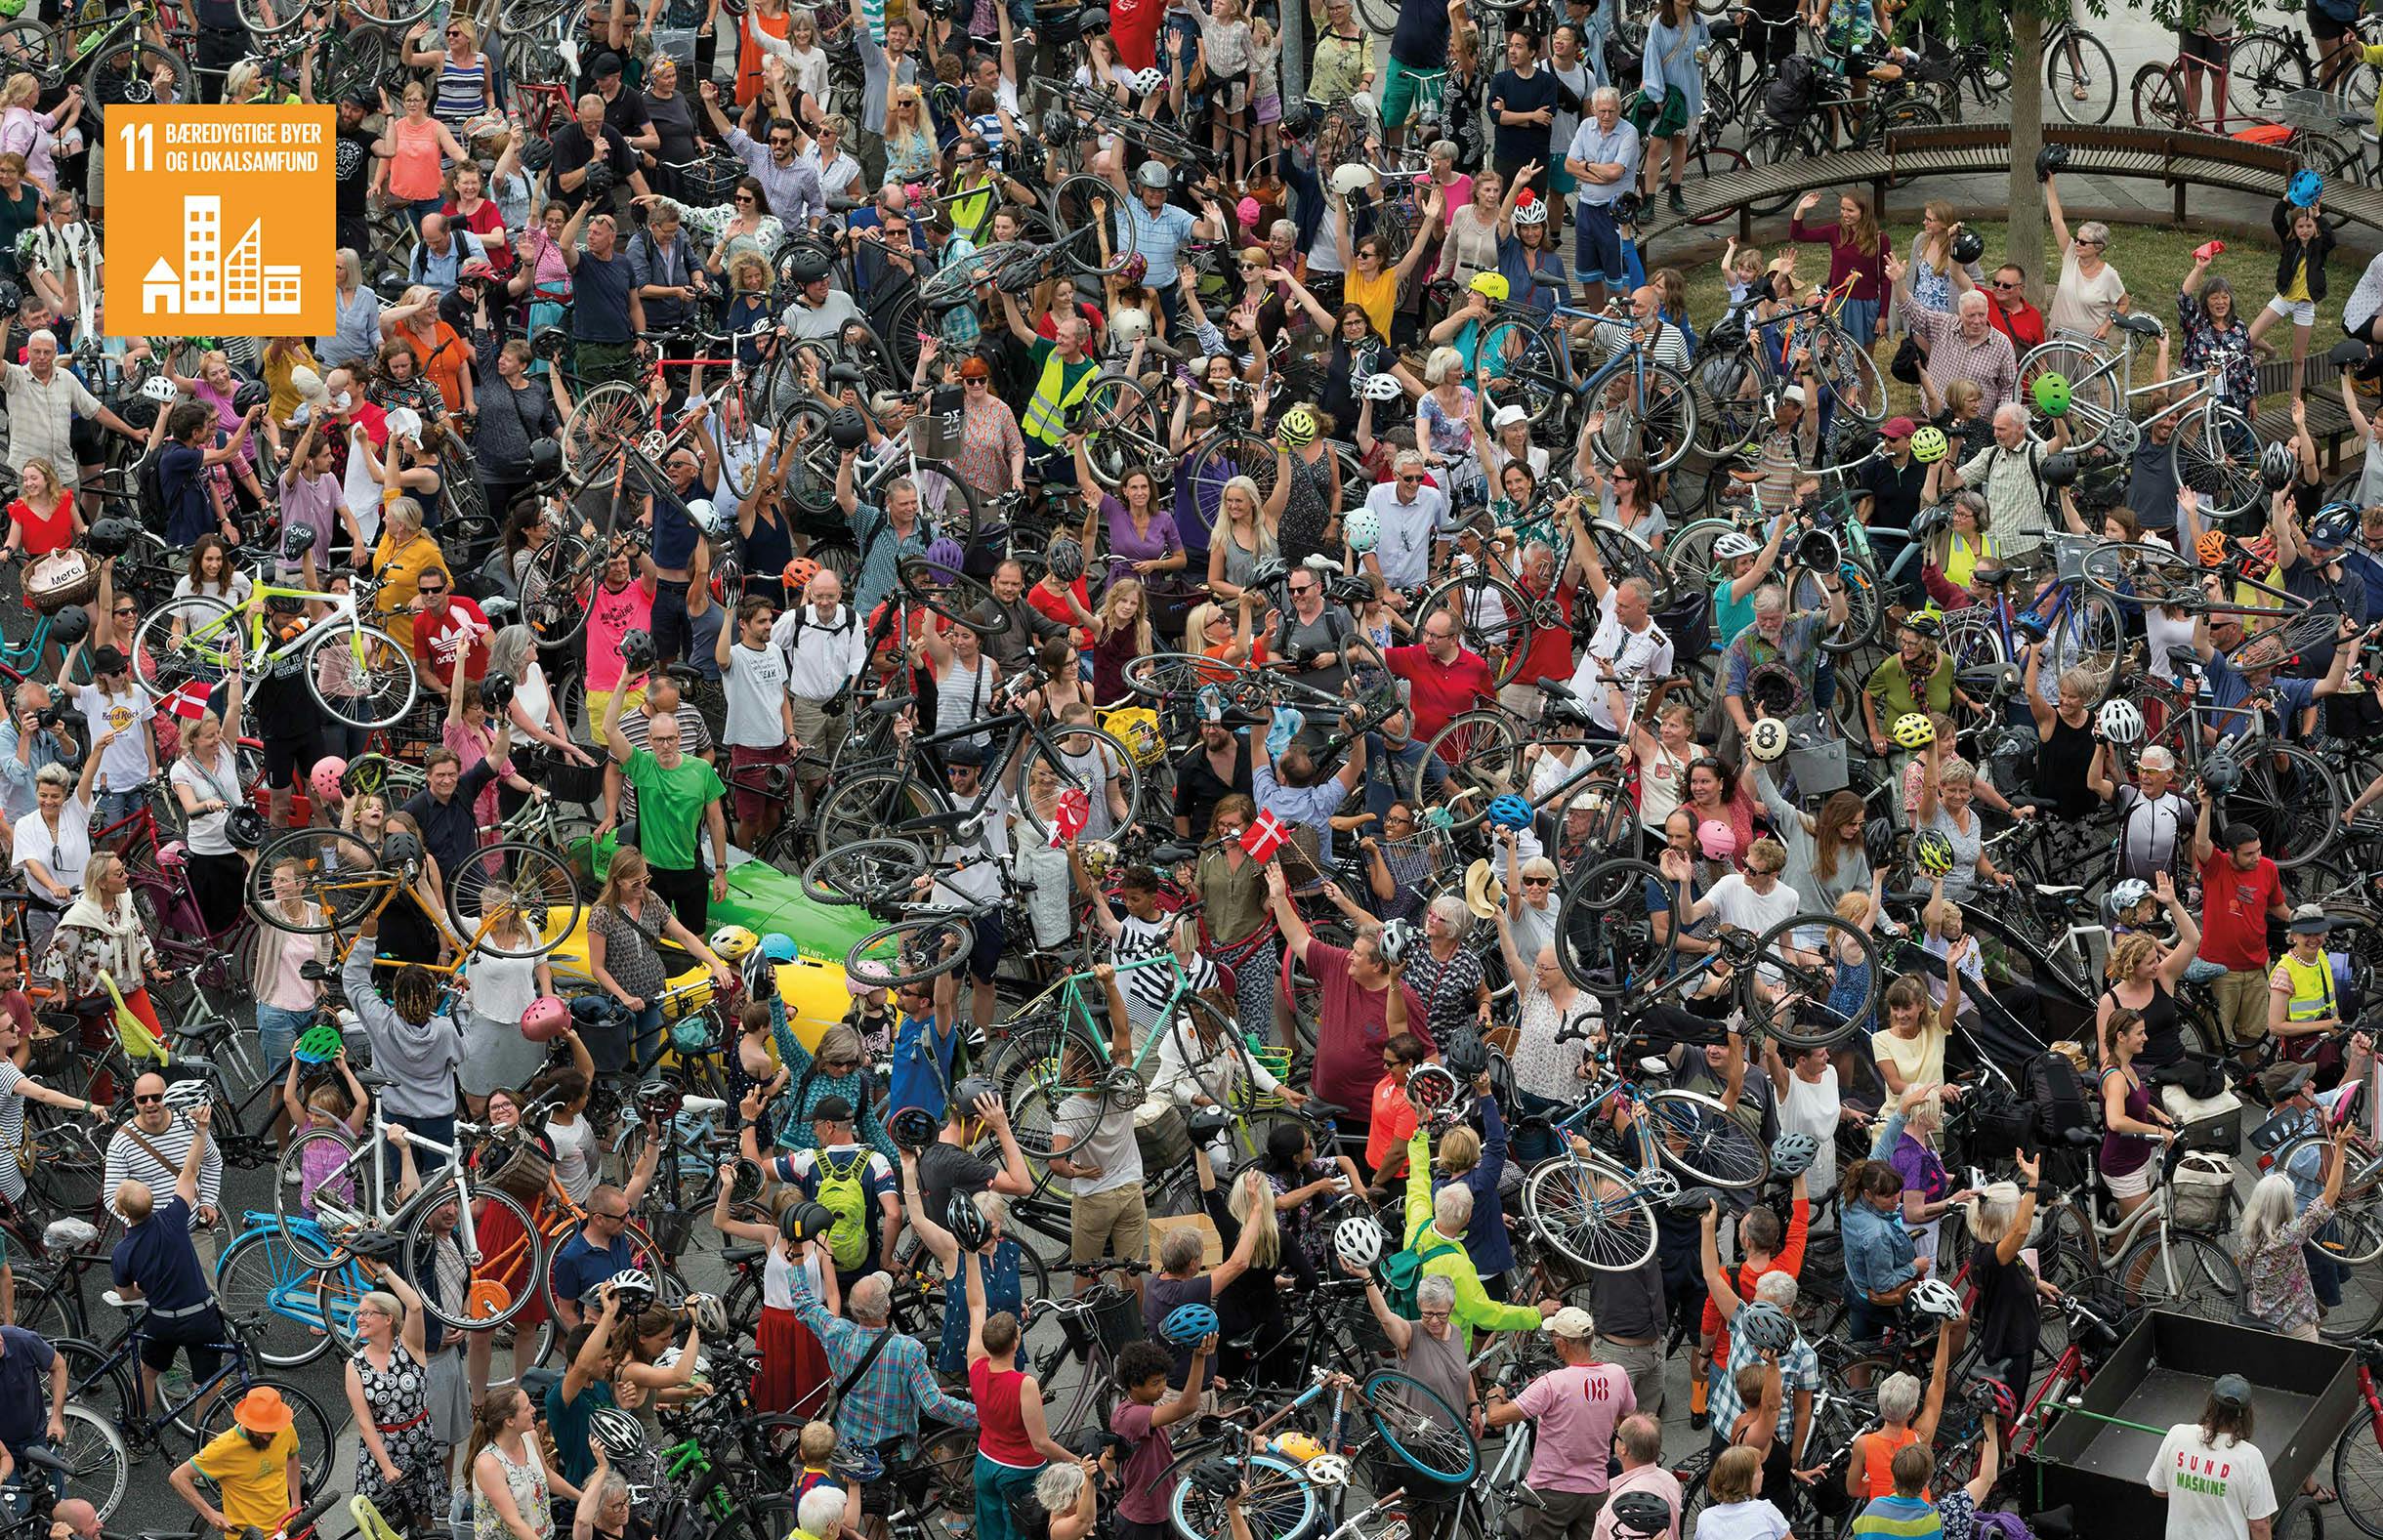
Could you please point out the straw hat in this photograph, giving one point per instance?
(1485, 892)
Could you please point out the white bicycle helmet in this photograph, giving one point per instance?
(1731, 545)
(1767, 741)
(186, 1096)
(620, 1433)
(711, 1317)
(1934, 1297)
(633, 1287)
(1361, 529)
(2127, 892)
(706, 516)
(1383, 387)
(2120, 722)
(1360, 1240)
(403, 423)
(1533, 212)
(1147, 81)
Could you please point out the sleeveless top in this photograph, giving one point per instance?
(1300, 533)
(414, 174)
(1878, 1449)
(1001, 1427)
(2164, 1044)
(2124, 1154)
(526, 1483)
(463, 89)
(963, 695)
(2061, 763)
(1239, 559)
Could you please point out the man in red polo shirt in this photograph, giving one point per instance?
(2011, 313)
(1442, 676)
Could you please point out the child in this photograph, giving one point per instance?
(817, 1445)
(326, 1105)
(2306, 245)
(1854, 965)
(1142, 1421)
(1265, 93)
(1225, 46)
(1946, 939)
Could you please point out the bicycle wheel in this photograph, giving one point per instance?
(493, 1289)
(2179, 1271)
(2079, 79)
(317, 1442)
(1475, 758)
(258, 1277)
(2259, 70)
(2093, 391)
(1696, 1134)
(1277, 1502)
(184, 641)
(1182, 676)
(1498, 621)
(99, 1464)
(2288, 793)
(1120, 428)
(1604, 932)
(125, 73)
(1730, 401)
(360, 675)
(910, 951)
(952, 506)
(2156, 98)
(2143, 573)
(1082, 228)
(1849, 373)
(341, 1203)
(873, 803)
(1789, 990)
(1524, 370)
(1591, 1211)
(337, 882)
(2089, 636)
(2217, 456)
(855, 873)
(1653, 416)
(1419, 1426)
(557, 586)
(606, 416)
(522, 882)
(1864, 608)
(64, 1164)
(1091, 759)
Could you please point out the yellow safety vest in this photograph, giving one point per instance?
(2311, 988)
(1046, 411)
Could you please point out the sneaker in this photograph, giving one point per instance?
(292, 1177)
(1677, 202)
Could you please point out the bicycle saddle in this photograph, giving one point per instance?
(1171, 854)
(1992, 576)
(1317, 1109)
(372, 1079)
(739, 1256)
(1723, 29)
(890, 705)
(1557, 689)
(2139, 326)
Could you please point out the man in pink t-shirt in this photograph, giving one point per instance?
(619, 605)
(1572, 1411)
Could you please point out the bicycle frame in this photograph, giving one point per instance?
(367, 1165)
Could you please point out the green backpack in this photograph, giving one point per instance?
(844, 1193)
(1402, 1271)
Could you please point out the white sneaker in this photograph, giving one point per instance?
(291, 1177)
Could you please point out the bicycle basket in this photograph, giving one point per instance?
(2202, 1192)
(1793, 92)
(1137, 727)
(567, 781)
(523, 1170)
(1119, 1320)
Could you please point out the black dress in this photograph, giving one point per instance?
(1252, 1301)
(2006, 1319)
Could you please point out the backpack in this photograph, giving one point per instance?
(844, 1193)
(2054, 1088)
(1793, 90)
(1403, 1273)
(150, 481)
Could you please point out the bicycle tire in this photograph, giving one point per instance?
(1496, 617)
(315, 1240)
(1777, 144)
(557, 588)
(1072, 200)
(2143, 573)
(954, 507)
(1605, 937)
(1182, 676)
(201, 652)
(338, 874)
(2099, 80)
(669, 1288)
(1864, 609)
(1419, 1426)
(1704, 1142)
(99, 1463)
(1121, 771)
(2259, 70)
(849, 874)
(535, 883)
(2155, 99)
(490, 1299)
(2217, 456)
(360, 650)
(1475, 758)
(1662, 433)
(2090, 638)
(1731, 410)
(1531, 378)
(1280, 1505)
(1120, 429)
(2198, 1278)
(124, 72)
(888, 946)
(256, 1276)
(318, 1441)
(1845, 367)
(870, 803)
(265, 21)
(66, 1167)
(2297, 829)
(1591, 1211)
(604, 416)
(337, 1294)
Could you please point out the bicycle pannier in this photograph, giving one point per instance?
(1789, 97)
(2203, 1191)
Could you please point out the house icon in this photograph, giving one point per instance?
(161, 290)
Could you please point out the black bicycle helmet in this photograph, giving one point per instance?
(1217, 1478)
(602, 178)
(295, 541)
(2057, 469)
(400, 848)
(69, 625)
(496, 690)
(545, 459)
(112, 537)
(972, 1089)
(967, 1223)
(2050, 160)
(636, 650)
(1065, 557)
(805, 1222)
(912, 1128)
(251, 394)
(1640, 1513)
(537, 153)
(244, 827)
(617, 1431)
(847, 428)
(806, 265)
(549, 343)
(1968, 246)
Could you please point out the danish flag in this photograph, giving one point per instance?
(190, 700)
(1069, 816)
(1265, 836)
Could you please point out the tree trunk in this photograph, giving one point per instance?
(2027, 194)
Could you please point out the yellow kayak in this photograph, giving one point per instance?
(813, 990)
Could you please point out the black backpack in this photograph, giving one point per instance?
(1793, 90)
(150, 481)
(2058, 1094)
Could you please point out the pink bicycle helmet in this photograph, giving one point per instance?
(171, 854)
(866, 974)
(1717, 840)
(324, 779)
(546, 1020)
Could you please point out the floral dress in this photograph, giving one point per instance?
(398, 1397)
(526, 1483)
(2225, 349)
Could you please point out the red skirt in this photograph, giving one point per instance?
(793, 1371)
(505, 1254)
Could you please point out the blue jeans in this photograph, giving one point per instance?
(439, 1128)
(22, 1503)
(278, 1032)
(117, 806)
(1390, 773)
(645, 1036)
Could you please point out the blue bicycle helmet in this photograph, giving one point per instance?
(780, 948)
(1186, 1325)
(2335, 524)
(2306, 188)
(1510, 811)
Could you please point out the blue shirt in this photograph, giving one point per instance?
(1157, 238)
(569, 1422)
(2228, 690)
(24, 1373)
(156, 1257)
(922, 1066)
(1877, 1249)
(581, 1266)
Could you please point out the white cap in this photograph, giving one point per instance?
(1795, 394)
(1508, 416)
(1572, 1323)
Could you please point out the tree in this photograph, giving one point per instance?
(2024, 237)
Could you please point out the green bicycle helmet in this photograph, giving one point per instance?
(2052, 396)
(1928, 446)
(1933, 853)
(318, 1044)
(1298, 427)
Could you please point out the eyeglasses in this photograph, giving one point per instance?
(1538, 881)
(149, 1100)
(977, 380)
(613, 1219)
(2001, 284)
(837, 1067)
(1409, 481)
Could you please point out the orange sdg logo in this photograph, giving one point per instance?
(221, 221)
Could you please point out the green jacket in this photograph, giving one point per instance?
(1474, 1306)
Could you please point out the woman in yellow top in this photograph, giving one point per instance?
(1368, 279)
(404, 554)
(1964, 543)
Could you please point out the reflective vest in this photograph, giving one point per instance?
(2311, 988)
(1046, 411)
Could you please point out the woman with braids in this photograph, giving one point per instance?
(510, 1483)
(411, 1042)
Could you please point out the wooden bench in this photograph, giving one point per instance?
(2182, 160)
(2328, 423)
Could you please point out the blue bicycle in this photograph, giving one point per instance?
(301, 1313)
(1632, 404)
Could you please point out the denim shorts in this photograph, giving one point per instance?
(278, 1032)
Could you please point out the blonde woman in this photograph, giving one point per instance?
(1248, 532)
(803, 53)
(28, 130)
(399, 1463)
(910, 149)
(206, 781)
(466, 84)
(1122, 633)
(1252, 1301)
(403, 554)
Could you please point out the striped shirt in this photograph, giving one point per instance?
(127, 1161)
(1896, 1517)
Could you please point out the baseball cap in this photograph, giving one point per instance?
(1795, 394)
(1572, 1323)
(607, 64)
(1898, 428)
(2231, 1389)
(831, 1110)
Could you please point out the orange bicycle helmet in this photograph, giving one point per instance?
(2210, 546)
(797, 576)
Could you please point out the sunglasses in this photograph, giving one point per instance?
(744, 198)
(149, 1100)
(1538, 881)
(1302, 588)
(2001, 284)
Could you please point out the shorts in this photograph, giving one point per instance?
(1399, 85)
(449, 1397)
(749, 802)
(2202, 48)
(601, 700)
(2133, 1184)
(283, 757)
(985, 955)
(2326, 27)
(1599, 256)
(1559, 1516)
(278, 1032)
(2241, 1002)
(1114, 1225)
(2301, 313)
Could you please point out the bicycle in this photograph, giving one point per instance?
(199, 639)
(507, 889)
(2157, 1265)
(117, 58)
(1633, 405)
(2216, 449)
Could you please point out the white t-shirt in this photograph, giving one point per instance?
(575, 1155)
(1812, 1106)
(126, 763)
(1737, 903)
(216, 782)
(2212, 1494)
(756, 686)
(1753, 1519)
(236, 596)
(2082, 304)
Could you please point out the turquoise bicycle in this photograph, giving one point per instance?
(1630, 404)
(302, 1313)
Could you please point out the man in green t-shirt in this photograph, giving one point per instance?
(678, 798)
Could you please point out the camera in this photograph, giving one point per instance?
(48, 717)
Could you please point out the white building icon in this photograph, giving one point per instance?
(213, 285)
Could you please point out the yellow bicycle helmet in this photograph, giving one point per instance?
(1297, 428)
(1492, 284)
(1914, 730)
